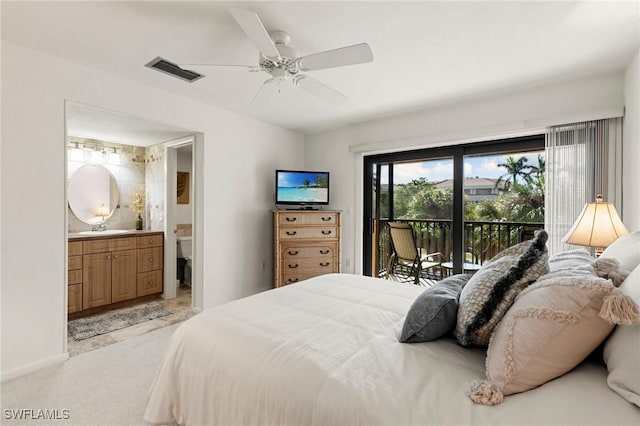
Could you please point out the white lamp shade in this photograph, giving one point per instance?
(597, 226)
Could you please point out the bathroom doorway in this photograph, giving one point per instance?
(132, 152)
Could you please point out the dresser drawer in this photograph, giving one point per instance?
(75, 262)
(149, 259)
(110, 244)
(149, 283)
(318, 232)
(318, 251)
(150, 241)
(75, 277)
(308, 218)
(309, 264)
(290, 276)
(75, 248)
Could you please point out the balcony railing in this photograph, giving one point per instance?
(483, 240)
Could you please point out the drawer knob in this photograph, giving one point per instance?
(326, 219)
(327, 251)
(324, 264)
(108, 257)
(151, 259)
(293, 253)
(292, 219)
(326, 232)
(293, 266)
(292, 232)
(150, 241)
(115, 256)
(293, 280)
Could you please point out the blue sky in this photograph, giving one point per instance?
(438, 170)
(290, 179)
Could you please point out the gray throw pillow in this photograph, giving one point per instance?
(433, 314)
(492, 290)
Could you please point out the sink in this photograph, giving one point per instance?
(100, 233)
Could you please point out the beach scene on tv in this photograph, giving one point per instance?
(303, 187)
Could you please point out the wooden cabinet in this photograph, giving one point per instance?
(107, 270)
(150, 264)
(74, 277)
(306, 244)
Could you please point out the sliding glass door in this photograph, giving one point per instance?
(465, 202)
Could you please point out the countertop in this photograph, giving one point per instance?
(97, 236)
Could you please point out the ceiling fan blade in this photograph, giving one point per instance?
(250, 68)
(253, 28)
(320, 90)
(349, 55)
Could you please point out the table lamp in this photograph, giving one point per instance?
(102, 211)
(597, 226)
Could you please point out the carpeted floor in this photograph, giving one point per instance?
(107, 386)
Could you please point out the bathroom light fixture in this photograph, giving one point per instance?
(95, 156)
(76, 153)
(114, 157)
(102, 211)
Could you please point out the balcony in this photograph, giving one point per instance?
(483, 240)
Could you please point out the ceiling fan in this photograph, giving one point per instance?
(281, 61)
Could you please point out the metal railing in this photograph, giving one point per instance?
(483, 240)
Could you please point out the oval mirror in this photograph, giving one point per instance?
(93, 194)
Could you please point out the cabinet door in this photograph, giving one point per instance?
(96, 280)
(123, 275)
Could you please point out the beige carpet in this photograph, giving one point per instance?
(107, 386)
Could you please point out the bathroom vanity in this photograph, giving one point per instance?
(106, 269)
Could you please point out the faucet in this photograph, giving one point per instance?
(100, 227)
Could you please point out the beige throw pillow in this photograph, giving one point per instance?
(553, 325)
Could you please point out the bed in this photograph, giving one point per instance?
(325, 352)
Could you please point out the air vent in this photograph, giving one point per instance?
(170, 68)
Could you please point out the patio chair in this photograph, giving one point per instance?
(405, 259)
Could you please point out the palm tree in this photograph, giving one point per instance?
(536, 173)
(515, 168)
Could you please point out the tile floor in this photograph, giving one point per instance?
(180, 308)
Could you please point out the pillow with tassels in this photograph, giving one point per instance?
(553, 325)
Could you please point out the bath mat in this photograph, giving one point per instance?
(83, 328)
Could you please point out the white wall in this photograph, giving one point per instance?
(240, 155)
(517, 112)
(631, 150)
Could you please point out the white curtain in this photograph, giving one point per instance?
(582, 160)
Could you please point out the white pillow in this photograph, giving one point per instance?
(571, 259)
(626, 250)
(622, 349)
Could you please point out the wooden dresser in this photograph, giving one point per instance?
(306, 244)
(105, 270)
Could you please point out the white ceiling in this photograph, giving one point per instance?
(425, 53)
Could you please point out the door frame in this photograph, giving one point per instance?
(170, 253)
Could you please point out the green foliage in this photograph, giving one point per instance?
(420, 199)
(322, 181)
(521, 201)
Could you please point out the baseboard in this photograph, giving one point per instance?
(33, 367)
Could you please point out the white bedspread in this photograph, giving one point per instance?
(326, 352)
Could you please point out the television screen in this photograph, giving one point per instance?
(302, 187)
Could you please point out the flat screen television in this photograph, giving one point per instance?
(302, 188)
